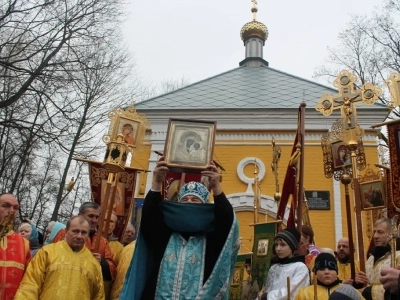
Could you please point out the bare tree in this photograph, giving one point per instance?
(92, 92)
(166, 86)
(39, 38)
(63, 68)
(370, 47)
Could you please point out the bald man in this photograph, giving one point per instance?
(129, 234)
(344, 263)
(113, 241)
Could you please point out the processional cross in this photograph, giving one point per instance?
(350, 133)
(347, 98)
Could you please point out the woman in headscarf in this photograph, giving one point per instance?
(52, 229)
(29, 231)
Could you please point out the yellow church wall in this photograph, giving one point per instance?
(230, 153)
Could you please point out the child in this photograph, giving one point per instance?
(326, 271)
(288, 265)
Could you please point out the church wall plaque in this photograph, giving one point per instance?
(318, 200)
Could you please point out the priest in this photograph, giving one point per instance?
(185, 250)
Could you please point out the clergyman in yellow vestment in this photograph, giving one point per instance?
(64, 270)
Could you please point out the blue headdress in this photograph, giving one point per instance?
(196, 189)
(56, 228)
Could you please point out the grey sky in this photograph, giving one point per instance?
(199, 39)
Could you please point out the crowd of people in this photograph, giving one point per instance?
(301, 271)
(62, 263)
(185, 249)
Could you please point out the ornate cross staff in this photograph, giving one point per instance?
(393, 83)
(350, 133)
(347, 98)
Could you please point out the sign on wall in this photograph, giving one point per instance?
(318, 200)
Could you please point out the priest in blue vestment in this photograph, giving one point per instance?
(185, 249)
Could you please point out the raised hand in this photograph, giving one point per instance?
(214, 178)
(159, 174)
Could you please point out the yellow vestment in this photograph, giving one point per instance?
(125, 258)
(58, 273)
(323, 292)
(345, 271)
(373, 271)
(116, 248)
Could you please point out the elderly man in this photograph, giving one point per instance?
(380, 259)
(91, 211)
(344, 263)
(65, 270)
(187, 248)
(129, 234)
(14, 249)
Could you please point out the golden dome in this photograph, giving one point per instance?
(254, 29)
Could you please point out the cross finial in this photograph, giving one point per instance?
(347, 98)
(254, 9)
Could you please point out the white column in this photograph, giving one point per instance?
(337, 207)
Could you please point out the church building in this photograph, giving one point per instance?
(254, 104)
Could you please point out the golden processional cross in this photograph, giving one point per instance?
(347, 98)
(350, 132)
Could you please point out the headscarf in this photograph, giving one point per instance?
(56, 228)
(33, 238)
(34, 233)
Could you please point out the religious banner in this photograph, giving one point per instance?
(174, 181)
(289, 190)
(264, 234)
(393, 129)
(124, 194)
(235, 291)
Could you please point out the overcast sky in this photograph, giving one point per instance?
(200, 39)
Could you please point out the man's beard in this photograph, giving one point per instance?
(343, 259)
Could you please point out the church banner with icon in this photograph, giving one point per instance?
(264, 234)
(393, 129)
(124, 194)
(238, 277)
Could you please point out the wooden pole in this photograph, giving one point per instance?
(352, 146)
(349, 226)
(288, 287)
(300, 195)
(104, 205)
(315, 284)
(110, 206)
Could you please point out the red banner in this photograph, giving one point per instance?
(124, 196)
(174, 181)
(393, 184)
